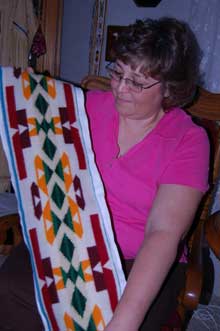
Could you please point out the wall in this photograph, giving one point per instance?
(77, 21)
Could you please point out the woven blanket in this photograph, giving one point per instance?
(64, 217)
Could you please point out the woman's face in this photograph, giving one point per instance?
(133, 104)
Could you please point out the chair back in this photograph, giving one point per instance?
(206, 112)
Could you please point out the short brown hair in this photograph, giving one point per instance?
(169, 52)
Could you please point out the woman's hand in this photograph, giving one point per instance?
(30, 70)
(111, 327)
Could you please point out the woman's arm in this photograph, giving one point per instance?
(170, 218)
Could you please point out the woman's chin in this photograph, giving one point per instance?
(124, 111)
(122, 103)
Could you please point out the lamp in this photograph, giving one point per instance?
(147, 3)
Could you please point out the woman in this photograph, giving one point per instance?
(152, 158)
(153, 161)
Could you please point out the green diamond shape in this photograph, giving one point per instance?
(80, 272)
(33, 83)
(79, 301)
(72, 274)
(67, 248)
(64, 276)
(59, 170)
(77, 327)
(48, 172)
(49, 148)
(41, 104)
(56, 222)
(91, 326)
(43, 83)
(57, 195)
(68, 219)
(45, 126)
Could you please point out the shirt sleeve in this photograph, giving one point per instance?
(95, 101)
(91, 102)
(190, 163)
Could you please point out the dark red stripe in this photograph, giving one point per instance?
(108, 274)
(40, 270)
(69, 103)
(74, 131)
(16, 137)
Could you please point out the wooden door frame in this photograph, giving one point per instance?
(51, 22)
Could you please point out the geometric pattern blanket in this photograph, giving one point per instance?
(65, 222)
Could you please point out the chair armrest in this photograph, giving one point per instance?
(208, 231)
(92, 82)
(194, 274)
(9, 222)
(212, 233)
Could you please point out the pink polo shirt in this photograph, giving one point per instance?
(176, 151)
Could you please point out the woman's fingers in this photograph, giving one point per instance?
(30, 70)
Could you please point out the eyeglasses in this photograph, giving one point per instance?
(131, 84)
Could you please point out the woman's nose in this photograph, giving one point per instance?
(122, 85)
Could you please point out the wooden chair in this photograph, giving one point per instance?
(212, 231)
(96, 83)
(206, 111)
(10, 233)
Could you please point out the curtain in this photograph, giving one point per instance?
(205, 22)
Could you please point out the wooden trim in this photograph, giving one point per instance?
(206, 105)
(212, 232)
(52, 13)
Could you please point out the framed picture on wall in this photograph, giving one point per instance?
(112, 33)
